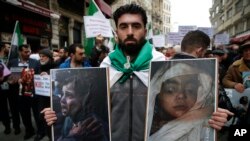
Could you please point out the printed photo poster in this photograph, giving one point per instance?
(246, 79)
(241, 103)
(80, 99)
(182, 98)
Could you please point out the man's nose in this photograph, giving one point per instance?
(130, 30)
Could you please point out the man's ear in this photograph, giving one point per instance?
(198, 51)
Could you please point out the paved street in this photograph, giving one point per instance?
(13, 137)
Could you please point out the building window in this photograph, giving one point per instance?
(238, 6)
(239, 28)
(229, 13)
(217, 9)
(231, 31)
(222, 2)
(77, 32)
(213, 15)
(248, 24)
(222, 18)
(215, 24)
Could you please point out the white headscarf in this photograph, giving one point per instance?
(182, 129)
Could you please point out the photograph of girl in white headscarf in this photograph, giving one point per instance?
(181, 100)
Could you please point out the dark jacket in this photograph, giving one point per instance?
(128, 107)
(34, 64)
(182, 56)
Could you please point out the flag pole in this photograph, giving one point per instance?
(12, 41)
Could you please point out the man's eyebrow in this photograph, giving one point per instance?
(129, 23)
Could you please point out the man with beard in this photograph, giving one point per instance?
(128, 67)
(46, 63)
(77, 57)
(26, 101)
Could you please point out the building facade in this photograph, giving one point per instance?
(34, 22)
(51, 23)
(166, 16)
(157, 17)
(231, 16)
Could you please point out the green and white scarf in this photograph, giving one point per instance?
(122, 63)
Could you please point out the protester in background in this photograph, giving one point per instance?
(208, 54)
(46, 63)
(77, 57)
(219, 54)
(63, 54)
(104, 53)
(97, 50)
(233, 78)
(8, 98)
(27, 101)
(56, 56)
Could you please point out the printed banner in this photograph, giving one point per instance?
(42, 85)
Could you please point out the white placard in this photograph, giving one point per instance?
(174, 38)
(159, 40)
(96, 25)
(42, 85)
(221, 39)
(208, 30)
(183, 30)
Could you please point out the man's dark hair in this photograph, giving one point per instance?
(72, 48)
(20, 48)
(243, 100)
(194, 39)
(130, 9)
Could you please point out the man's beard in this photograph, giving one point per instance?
(131, 49)
(79, 61)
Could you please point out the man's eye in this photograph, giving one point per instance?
(123, 26)
(137, 26)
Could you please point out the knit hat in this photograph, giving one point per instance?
(46, 52)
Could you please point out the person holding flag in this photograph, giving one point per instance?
(92, 40)
(7, 97)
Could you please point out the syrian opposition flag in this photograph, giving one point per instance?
(93, 10)
(16, 41)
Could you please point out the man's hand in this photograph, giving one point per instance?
(49, 116)
(219, 118)
(239, 87)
